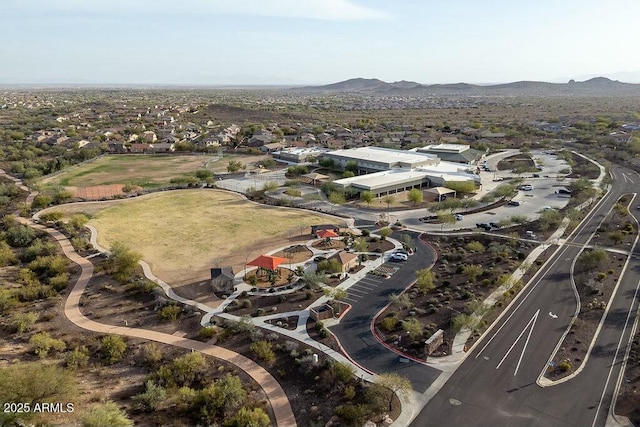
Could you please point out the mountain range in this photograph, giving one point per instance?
(597, 86)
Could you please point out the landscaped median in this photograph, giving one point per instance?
(450, 296)
(596, 274)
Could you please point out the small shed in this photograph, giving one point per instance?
(222, 279)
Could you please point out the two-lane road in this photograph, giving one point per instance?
(497, 383)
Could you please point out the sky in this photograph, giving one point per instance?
(298, 42)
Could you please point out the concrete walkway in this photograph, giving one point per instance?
(275, 394)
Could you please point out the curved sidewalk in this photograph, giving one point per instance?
(275, 394)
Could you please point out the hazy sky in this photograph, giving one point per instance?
(315, 41)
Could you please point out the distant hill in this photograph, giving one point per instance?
(597, 86)
(364, 85)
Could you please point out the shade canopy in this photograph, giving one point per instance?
(315, 176)
(267, 261)
(323, 234)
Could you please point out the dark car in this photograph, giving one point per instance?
(514, 203)
(494, 224)
(536, 175)
(564, 191)
(484, 226)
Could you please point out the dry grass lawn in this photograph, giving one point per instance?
(142, 170)
(181, 234)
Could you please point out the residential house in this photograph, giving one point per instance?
(163, 147)
(149, 136)
(140, 148)
(270, 148)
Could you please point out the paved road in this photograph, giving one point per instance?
(368, 297)
(497, 383)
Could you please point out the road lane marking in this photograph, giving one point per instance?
(553, 316)
(531, 322)
(615, 356)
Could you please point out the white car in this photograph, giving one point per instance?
(398, 257)
(526, 187)
(458, 217)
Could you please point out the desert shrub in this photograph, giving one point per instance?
(169, 313)
(342, 372)
(41, 343)
(352, 415)
(107, 414)
(78, 358)
(23, 322)
(263, 351)
(112, 349)
(207, 332)
(475, 246)
(389, 323)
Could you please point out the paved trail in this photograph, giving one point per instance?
(275, 394)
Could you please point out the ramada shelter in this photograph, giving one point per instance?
(385, 171)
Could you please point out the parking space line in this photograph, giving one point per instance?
(355, 296)
(358, 290)
(363, 287)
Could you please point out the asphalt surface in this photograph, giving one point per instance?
(497, 383)
(367, 298)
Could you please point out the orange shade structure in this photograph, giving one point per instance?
(323, 234)
(268, 262)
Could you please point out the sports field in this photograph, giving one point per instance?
(147, 171)
(144, 170)
(182, 234)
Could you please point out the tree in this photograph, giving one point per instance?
(107, 414)
(367, 197)
(550, 218)
(461, 187)
(395, 384)
(415, 196)
(36, 382)
(385, 232)
(122, 262)
(473, 271)
(445, 218)
(112, 348)
(335, 293)
(313, 279)
(360, 245)
(402, 300)
(337, 198)
(616, 237)
(407, 241)
(235, 166)
(352, 166)
(388, 199)
(424, 280)
(347, 174)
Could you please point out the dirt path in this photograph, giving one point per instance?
(275, 394)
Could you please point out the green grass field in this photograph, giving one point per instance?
(148, 171)
(181, 234)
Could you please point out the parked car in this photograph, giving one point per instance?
(514, 202)
(398, 257)
(563, 191)
(458, 217)
(494, 224)
(484, 226)
(526, 187)
(536, 175)
(402, 251)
